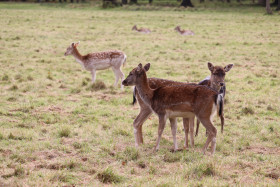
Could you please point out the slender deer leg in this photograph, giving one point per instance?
(122, 77)
(145, 112)
(191, 123)
(93, 75)
(197, 127)
(140, 134)
(186, 129)
(212, 132)
(162, 121)
(116, 76)
(173, 124)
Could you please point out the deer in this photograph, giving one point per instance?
(183, 32)
(99, 61)
(142, 30)
(217, 82)
(171, 101)
(145, 112)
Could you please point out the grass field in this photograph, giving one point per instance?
(56, 129)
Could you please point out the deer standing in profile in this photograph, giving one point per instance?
(185, 100)
(142, 30)
(183, 32)
(217, 78)
(99, 61)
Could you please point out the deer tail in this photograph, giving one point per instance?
(220, 105)
(124, 61)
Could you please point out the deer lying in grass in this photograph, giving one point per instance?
(185, 100)
(217, 78)
(99, 61)
(142, 30)
(183, 32)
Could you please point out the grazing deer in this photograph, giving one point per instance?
(142, 30)
(183, 32)
(99, 61)
(145, 111)
(185, 100)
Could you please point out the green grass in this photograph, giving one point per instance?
(57, 129)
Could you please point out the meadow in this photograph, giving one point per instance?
(57, 129)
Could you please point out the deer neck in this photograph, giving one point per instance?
(78, 56)
(144, 90)
(180, 31)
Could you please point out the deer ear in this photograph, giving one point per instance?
(147, 67)
(210, 66)
(72, 44)
(139, 68)
(228, 67)
(76, 44)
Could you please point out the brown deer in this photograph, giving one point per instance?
(185, 100)
(142, 30)
(145, 111)
(99, 61)
(183, 32)
(217, 82)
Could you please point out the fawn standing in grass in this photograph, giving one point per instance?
(183, 32)
(142, 30)
(99, 61)
(215, 81)
(185, 100)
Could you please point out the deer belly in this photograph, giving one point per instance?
(184, 114)
(104, 64)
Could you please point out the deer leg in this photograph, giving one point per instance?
(121, 75)
(162, 121)
(116, 76)
(186, 129)
(140, 134)
(212, 132)
(197, 127)
(191, 124)
(173, 124)
(93, 75)
(145, 112)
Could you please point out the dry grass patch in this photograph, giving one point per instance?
(64, 131)
(109, 176)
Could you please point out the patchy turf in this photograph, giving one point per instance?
(57, 129)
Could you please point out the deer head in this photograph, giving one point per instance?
(134, 27)
(135, 74)
(177, 28)
(218, 74)
(70, 49)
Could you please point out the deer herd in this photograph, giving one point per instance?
(178, 29)
(167, 99)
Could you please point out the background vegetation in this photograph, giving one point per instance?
(58, 129)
